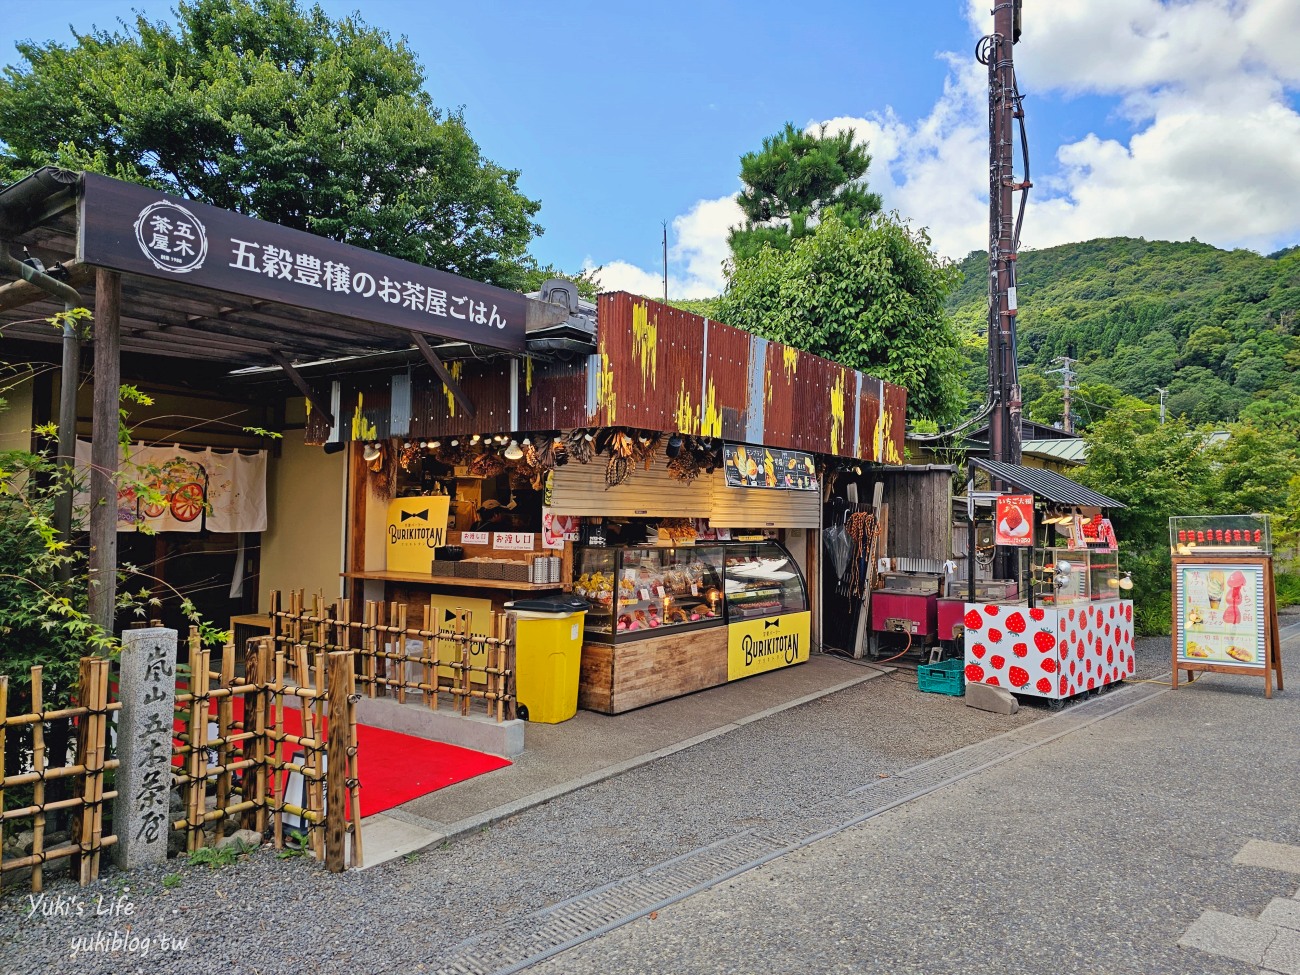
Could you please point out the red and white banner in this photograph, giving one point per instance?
(1014, 524)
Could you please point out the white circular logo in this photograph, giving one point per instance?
(171, 237)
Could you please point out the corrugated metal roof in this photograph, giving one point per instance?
(1072, 450)
(1046, 484)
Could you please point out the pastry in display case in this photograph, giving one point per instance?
(762, 580)
(637, 592)
(1064, 577)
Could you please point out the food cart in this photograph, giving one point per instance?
(1068, 630)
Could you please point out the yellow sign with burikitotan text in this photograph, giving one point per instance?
(416, 526)
(767, 643)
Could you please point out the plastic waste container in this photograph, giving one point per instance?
(548, 651)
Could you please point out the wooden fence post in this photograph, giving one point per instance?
(511, 620)
(258, 666)
(4, 716)
(336, 768)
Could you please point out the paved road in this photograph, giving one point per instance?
(1094, 853)
(1091, 853)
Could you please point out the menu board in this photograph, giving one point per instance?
(1221, 615)
(763, 467)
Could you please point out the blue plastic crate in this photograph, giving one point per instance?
(945, 677)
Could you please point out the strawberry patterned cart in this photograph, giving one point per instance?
(1052, 652)
(1071, 632)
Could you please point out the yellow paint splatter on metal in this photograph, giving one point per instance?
(684, 416)
(885, 437)
(711, 420)
(645, 343)
(528, 374)
(790, 361)
(837, 413)
(605, 389)
(455, 369)
(362, 429)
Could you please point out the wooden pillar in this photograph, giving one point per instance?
(104, 451)
(340, 684)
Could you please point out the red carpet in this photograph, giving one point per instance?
(394, 768)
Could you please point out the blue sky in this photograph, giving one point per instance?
(1159, 118)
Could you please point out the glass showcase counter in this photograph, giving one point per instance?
(667, 620)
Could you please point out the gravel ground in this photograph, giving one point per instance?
(266, 915)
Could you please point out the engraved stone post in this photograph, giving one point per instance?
(147, 690)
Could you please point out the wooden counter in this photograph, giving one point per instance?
(454, 581)
(618, 678)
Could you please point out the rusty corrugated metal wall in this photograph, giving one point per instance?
(659, 368)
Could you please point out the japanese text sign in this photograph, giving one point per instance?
(141, 231)
(1015, 520)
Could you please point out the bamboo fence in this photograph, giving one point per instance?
(241, 765)
(398, 659)
(88, 768)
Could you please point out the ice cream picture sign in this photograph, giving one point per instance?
(1225, 618)
(1221, 608)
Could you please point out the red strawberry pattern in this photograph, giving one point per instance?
(1094, 642)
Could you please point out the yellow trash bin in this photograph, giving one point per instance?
(548, 651)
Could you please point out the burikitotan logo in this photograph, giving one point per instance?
(786, 645)
(171, 237)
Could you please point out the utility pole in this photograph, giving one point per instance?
(1161, 390)
(1005, 113)
(665, 226)
(1067, 374)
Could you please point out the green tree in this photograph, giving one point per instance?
(793, 181)
(1156, 471)
(867, 295)
(278, 112)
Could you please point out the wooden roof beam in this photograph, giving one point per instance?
(447, 378)
(317, 403)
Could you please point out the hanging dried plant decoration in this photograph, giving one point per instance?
(618, 470)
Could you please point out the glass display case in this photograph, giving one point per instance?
(636, 592)
(643, 591)
(1064, 577)
(761, 580)
(1216, 535)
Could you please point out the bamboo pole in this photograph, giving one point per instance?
(429, 661)
(4, 730)
(353, 771)
(97, 722)
(38, 791)
(225, 718)
(280, 778)
(336, 766)
(369, 638)
(510, 665)
(399, 646)
(197, 787)
(257, 670)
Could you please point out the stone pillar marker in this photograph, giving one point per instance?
(147, 690)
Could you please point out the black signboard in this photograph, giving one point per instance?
(763, 467)
(141, 231)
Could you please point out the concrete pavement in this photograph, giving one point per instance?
(1121, 847)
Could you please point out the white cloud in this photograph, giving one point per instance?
(1211, 152)
(698, 247)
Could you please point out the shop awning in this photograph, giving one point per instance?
(1046, 484)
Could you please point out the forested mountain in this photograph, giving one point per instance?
(1219, 330)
